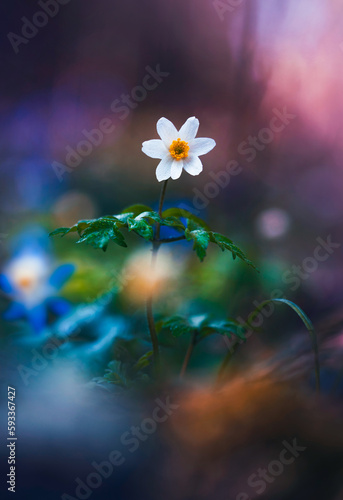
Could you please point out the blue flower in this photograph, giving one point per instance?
(32, 284)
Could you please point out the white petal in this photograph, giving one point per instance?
(192, 165)
(201, 146)
(163, 170)
(176, 169)
(167, 131)
(154, 148)
(189, 129)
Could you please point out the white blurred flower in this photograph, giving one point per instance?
(32, 284)
(177, 150)
(143, 279)
(273, 223)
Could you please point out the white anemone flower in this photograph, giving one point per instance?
(177, 150)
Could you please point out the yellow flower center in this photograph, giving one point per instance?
(179, 149)
(25, 282)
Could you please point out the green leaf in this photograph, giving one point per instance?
(122, 219)
(226, 244)
(141, 219)
(181, 212)
(100, 232)
(78, 227)
(193, 226)
(236, 328)
(136, 209)
(63, 231)
(143, 361)
(227, 328)
(154, 217)
(201, 240)
(141, 227)
(114, 374)
(159, 325)
(151, 216)
(178, 325)
(116, 379)
(173, 222)
(83, 224)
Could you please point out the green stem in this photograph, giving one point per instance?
(188, 353)
(160, 208)
(149, 303)
(174, 238)
(152, 329)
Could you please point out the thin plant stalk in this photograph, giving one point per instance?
(188, 354)
(307, 322)
(149, 303)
